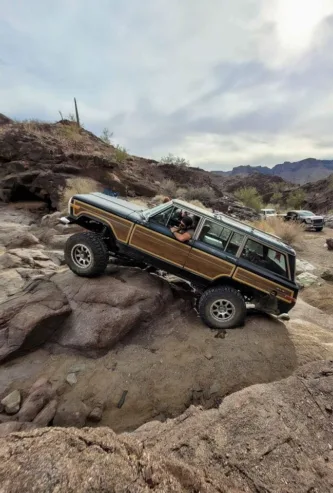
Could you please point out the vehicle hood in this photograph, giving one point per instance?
(120, 207)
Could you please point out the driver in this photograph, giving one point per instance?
(184, 231)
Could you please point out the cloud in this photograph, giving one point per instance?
(242, 82)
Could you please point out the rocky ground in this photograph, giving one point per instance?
(128, 348)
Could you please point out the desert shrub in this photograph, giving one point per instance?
(203, 194)
(289, 231)
(106, 136)
(169, 188)
(175, 160)
(120, 154)
(197, 203)
(157, 200)
(77, 186)
(140, 202)
(296, 199)
(181, 193)
(250, 197)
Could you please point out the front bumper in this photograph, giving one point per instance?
(66, 220)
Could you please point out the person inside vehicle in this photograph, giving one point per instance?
(184, 231)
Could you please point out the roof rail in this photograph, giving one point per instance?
(217, 214)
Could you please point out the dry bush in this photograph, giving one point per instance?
(76, 186)
(181, 193)
(320, 296)
(203, 194)
(289, 231)
(140, 202)
(197, 203)
(157, 200)
(169, 188)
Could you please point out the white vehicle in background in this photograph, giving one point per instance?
(268, 213)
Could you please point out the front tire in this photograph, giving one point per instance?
(222, 308)
(319, 229)
(86, 254)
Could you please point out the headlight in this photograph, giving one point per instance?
(308, 221)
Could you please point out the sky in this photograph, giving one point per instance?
(221, 83)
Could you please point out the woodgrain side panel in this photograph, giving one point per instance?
(163, 247)
(262, 284)
(208, 266)
(121, 227)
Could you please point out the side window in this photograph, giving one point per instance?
(220, 236)
(234, 243)
(265, 257)
(215, 234)
(162, 217)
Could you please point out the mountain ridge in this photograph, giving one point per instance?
(307, 170)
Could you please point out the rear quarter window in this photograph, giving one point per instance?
(265, 257)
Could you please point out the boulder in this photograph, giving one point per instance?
(303, 266)
(12, 402)
(273, 437)
(20, 239)
(327, 275)
(46, 415)
(8, 261)
(28, 319)
(35, 402)
(329, 244)
(72, 412)
(13, 426)
(307, 279)
(108, 307)
(10, 283)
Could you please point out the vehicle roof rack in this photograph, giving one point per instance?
(253, 230)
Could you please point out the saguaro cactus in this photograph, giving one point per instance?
(77, 113)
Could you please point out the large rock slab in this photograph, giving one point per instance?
(108, 307)
(267, 438)
(28, 319)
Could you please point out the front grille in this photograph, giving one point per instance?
(317, 221)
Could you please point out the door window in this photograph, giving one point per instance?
(218, 236)
(234, 243)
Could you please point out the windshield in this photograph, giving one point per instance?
(156, 209)
(306, 213)
(270, 211)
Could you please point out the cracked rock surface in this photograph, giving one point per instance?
(268, 438)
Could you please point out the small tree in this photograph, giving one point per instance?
(276, 198)
(296, 199)
(250, 197)
(106, 136)
(175, 160)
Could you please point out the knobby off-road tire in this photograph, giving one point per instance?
(86, 254)
(222, 307)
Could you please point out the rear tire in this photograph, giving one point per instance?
(319, 229)
(86, 254)
(222, 308)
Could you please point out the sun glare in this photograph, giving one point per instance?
(298, 19)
